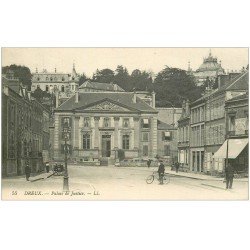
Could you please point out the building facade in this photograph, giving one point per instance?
(22, 129)
(204, 133)
(64, 83)
(167, 142)
(102, 124)
(184, 136)
(235, 147)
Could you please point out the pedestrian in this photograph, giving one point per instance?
(149, 163)
(47, 167)
(27, 172)
(229, 172)
(161, 171)
(176, 167)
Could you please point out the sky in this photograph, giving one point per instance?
(87, 60)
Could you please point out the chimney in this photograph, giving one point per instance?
(134, 97)
(77, 93)
(153, 99)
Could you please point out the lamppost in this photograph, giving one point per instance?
(66, 151)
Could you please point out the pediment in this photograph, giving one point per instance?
(105, 106)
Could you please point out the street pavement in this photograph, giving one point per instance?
(121, 183)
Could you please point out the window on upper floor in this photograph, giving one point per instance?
(62, 88)
(231, 123)
(145, 123)
(166, 135)
(47, 88)
(145, 136)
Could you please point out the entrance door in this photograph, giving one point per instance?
(106, 145)
(198, 161)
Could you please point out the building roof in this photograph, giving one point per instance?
(210, 64)
(124, 99)
(239, 97)
(164, 126)
(240, 82)
(101, 86)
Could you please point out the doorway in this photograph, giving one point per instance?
(106, 145)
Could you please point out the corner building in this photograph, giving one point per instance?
(102, 124)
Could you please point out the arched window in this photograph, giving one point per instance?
(86, 141)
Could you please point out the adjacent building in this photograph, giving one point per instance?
(210, 69)
(90, 86)
(23, 131)
(64, 83)
(167, 142)
(184, 136)
(208, 131)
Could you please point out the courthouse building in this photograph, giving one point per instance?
(103, 123)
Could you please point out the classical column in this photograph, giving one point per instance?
(56, 137)
(76, 132)
(96, 142)
(136, 133)
(153, 136)
(116, 132)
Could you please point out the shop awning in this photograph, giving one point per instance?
(235, 146)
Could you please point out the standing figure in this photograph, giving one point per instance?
(229, 171)
(27, 172)
(149, 163)
(177, 167)
(47, 167)
(161, 171)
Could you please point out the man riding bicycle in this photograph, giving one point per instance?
(161, 171)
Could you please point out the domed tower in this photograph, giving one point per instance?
(209, 69)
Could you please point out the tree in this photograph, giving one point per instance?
(21, 72)
(82, 79)
(122, 77)
(104, 75)
(173, 85)
(141, 80)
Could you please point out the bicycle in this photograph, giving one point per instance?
(164, 180)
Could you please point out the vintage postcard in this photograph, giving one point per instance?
(124, 124)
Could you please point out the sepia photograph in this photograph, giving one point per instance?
(125, 123)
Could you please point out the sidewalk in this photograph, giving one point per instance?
(190, 175)
(33, 177)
